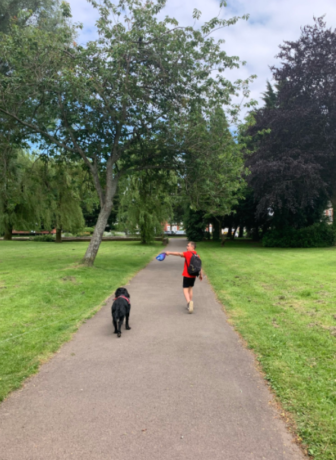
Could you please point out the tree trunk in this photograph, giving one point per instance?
(58, 235)
(143, 229)
(8, 232)
(229, 232)
(216, 230)
(97, 236)
(143, 237)
(106, 203)
(241, 232)
(255, 234)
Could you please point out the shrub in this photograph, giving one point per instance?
(46, 238)
(318, 235)
(89, 230)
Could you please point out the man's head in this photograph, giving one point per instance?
(191, 246)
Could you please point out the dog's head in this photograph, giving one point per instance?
(122, 291)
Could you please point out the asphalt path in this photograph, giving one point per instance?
(177, 386)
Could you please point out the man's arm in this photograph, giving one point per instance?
(179, 254)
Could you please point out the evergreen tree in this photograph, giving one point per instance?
(214, 170)
(269, 96)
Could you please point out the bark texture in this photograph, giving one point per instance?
(216, 230)
(106, 203)
(58, 235)
(8, 232)
(97, 236)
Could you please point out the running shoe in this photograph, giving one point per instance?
(191, 306)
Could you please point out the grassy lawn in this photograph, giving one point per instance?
(45, 295)
(283, 302)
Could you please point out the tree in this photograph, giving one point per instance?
(67, 189)
(194, 224)
(214, 167)
(21, 197)
(146, 203)
(136, 82)
(45, 13)
(293, 164)
(270, 96)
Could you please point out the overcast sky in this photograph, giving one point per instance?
(255, 41)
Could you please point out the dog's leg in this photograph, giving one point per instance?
(119, 323)
(128, 327)
(115, 327)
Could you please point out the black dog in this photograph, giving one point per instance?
(121, 308)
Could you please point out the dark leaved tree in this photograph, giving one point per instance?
(294, 138)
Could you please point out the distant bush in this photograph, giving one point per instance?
(90, 230)
(46, 238)
(318, 235)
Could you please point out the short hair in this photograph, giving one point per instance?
(192, 244)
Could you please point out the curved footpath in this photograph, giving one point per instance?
(177, 386)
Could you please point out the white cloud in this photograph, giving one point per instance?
(255, 41)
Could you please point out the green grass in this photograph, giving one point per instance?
(45, 295)
(283, 302)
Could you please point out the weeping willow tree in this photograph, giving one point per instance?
(146, 203)
(68, 190)
(21, 194)
(40, 193)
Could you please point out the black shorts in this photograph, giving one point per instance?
(188, 282)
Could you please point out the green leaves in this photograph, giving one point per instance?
(137, 84)
(146, 203)
(197, 13)
(214, 164)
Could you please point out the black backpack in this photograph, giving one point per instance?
(195, 265)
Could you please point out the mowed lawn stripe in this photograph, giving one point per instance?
(282, 301)
(45, 294)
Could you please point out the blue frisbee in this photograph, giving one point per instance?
(161, 256)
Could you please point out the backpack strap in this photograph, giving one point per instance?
(191, 256)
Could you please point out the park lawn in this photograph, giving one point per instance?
(283, 302)
(45, 295)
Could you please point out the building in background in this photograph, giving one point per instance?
(329, 213)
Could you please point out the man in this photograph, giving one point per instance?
(188, 280)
